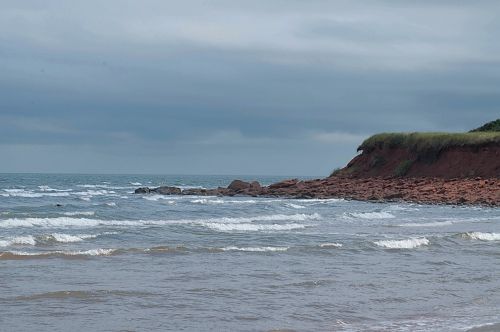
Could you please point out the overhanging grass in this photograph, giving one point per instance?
(425, 142)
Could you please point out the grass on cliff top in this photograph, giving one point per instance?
(490, 126)
(420, 142)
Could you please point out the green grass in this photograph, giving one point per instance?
(490, 126)
(403, 168)
(425, 142)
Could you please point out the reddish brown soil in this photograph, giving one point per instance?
(455, 162)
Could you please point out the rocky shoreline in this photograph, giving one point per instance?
(459, 191)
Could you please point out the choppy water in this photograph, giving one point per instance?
(110, 260)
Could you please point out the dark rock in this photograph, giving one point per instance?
(165, 190)
(143, 190)
(238, 185)
(284, 184)
(255, 185)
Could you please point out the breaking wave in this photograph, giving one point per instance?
(428, 224)
(481, 236)
(255, 249)
(79, 213)
(370, 215)
(252, 227)
(224, 223)
(331, 245)
(403, 244)
(47, 239)
(10, 255)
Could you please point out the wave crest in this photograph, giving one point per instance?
(403, 244)
(482, 236)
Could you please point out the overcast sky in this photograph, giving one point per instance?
(235, 87)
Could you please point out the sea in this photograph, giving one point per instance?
(84, 253)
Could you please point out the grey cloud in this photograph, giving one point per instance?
(194, 82)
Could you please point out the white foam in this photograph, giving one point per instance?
(482, 236)
(67, 238)
(47, 188)
(136, 183)
(79, 213)
(31, 194)
(111, 204)
(428, 224)
(320, 200)
(331, 245)
(295, 206)
(252, 227)
(207, 201)
(91, 252)
(102, 186)
(403, 244)
(371, 215)
(255, 249)
(156, 197)
(217, 222)
(19, 240)
(100, 192)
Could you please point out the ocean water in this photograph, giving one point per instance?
(83, 253)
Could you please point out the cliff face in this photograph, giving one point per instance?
(452, 162)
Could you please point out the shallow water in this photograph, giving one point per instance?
(110, 260)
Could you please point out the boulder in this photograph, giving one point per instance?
(255, 185)
(143, 190)
(238, 185)
(165, 190)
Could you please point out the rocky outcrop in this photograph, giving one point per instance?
(478, 191)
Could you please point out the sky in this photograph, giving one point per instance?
(275, 87)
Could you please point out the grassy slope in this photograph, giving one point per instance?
(421, 142)
(490, 126)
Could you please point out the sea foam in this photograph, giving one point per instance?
(482, 236)
(255, 249)
(370, 215)
(403, 244)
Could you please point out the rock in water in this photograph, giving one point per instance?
(238, 185)
(143, 190)
(167, 190)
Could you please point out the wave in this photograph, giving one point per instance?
(253, 227)
(46, 239)
(19, 240)
(428, 224)
(222, 201)
(10, 255)
(295, 206)
(254, 249)
(207, 201)
(331, 245)
(31, 194)
(136, 183)
(103, 186)
(79, 213)
(100, 192)
(481, 236)
(215, 222)
(47, 188)
(403, 244)
(370, 215)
